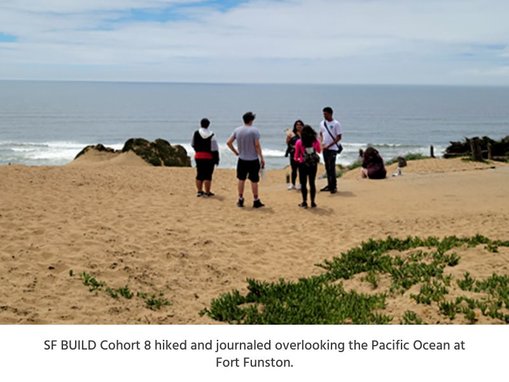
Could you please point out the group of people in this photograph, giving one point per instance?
(304, 144)
(248, 150)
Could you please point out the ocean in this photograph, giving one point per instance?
(48, 123)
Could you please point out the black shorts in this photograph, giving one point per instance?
(248, 169)
(204, 169)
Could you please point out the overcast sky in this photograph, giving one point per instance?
(295, 41)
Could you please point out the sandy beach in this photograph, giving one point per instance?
(127, 223)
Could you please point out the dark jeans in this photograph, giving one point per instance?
(307, 172)
(295, 166)
(329, 158)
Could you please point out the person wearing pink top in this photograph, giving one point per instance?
(306, 154)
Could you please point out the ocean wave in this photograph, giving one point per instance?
(42, 153)
(63, 152)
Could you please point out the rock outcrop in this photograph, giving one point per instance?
(157, 153)
(99, 147)
(499, 150)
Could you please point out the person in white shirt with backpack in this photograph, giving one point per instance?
(330, 136)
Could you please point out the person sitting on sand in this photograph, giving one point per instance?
(373, 165)
(306, 154)
(206, 157)
(291, 139)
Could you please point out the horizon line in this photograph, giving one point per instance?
(253, 83)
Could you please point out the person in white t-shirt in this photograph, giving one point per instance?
(330, 136)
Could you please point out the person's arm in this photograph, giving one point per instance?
(334, 142)
(259, 152)
(229, 143)
(364, 164)
(215, 151)
(338, 134)
(296, 154)
(289, 138)
(317, 145)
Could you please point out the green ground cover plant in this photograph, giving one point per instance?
(413, 263)
(152, 301)
(411, 318)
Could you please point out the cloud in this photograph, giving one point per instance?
(494, 72)
(390, 41)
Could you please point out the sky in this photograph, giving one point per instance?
(432, 42)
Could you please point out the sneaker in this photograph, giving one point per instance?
(209, 194)
(200, 193)
(326, 188)
(298, 187)
(303, 205)
(258, 203)
(240, 202)
(291, 187)
(313, 205)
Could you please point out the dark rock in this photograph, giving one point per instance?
(499, 149)
(98, 147)
(159, 152)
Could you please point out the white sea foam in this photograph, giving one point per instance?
(62, 152)
(42, 153)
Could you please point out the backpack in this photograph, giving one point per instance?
(311, 158)
(290, 149)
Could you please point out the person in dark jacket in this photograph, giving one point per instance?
(206, 157)
(373, 165)
(291, 139)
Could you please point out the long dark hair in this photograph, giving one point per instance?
(308, 136)
(371, 153)
(295, 125)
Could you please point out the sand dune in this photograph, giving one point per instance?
(126, 223)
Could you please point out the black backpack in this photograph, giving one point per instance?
(290, 149)
(311, 158)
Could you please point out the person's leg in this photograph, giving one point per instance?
(254, 189)
(241, 188)
(295, 167)
(199, 178)
(326, 163)
(207, 184)
(312, 186)
(241, 176)
(254, 177)
(303, 182)
(331, 172)
(208, 179)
